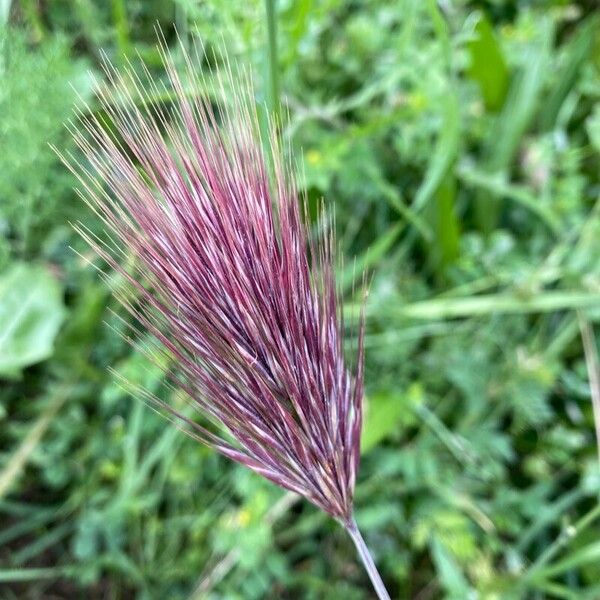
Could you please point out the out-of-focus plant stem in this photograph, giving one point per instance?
(593, 368)
(21, 456)
(367, 559)
(566, 536)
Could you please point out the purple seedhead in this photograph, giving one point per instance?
(225, 279)
(205, 228)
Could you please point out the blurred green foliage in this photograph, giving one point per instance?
(459, 143)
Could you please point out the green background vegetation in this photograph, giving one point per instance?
(459, 142)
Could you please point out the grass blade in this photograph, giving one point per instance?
(488, 67)
(516, 117)
(579, 49)
(20, 457)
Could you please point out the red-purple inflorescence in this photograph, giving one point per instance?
(207, 231)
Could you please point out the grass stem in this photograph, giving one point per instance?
(367, 560)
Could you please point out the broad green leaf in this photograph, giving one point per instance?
(31, 313)
(488, 67)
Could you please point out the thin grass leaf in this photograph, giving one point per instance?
(587, 555)
(446, 151)
(20, 575)
(487, 64)
(121, 25)
(485, 304)
(371, 256)
(516, 117)
(577, 52)
(496, 188)
(446, 226)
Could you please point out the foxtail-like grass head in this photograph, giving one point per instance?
(205, 225)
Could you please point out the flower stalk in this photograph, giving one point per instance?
(366, 558)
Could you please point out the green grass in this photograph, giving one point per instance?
(459, 145)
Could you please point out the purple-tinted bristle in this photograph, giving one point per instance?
(226, 279)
